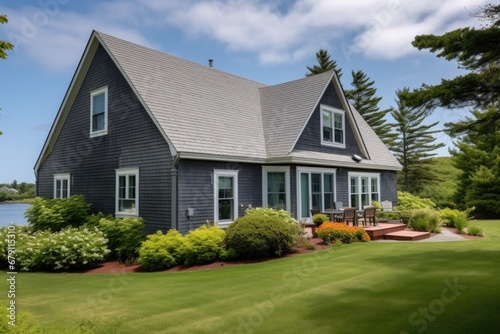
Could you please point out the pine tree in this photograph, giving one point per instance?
(414, 146)
(477, 155)
(325, 64)
(363, 99)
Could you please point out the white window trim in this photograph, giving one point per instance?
(314, 170)
(92, 94)
(332, 111)
(225, 173)
(359, 175)
(283, 169)
(126, 172)
(61, 177)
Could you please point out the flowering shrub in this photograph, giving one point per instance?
(56, 214)
(68, 249)
(5, 240)
(204, 245)
(162, 251)
(332, 232)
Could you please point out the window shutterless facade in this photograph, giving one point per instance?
(99, 112)
(62, 185)
(332, 127)
(225, 196)
(127, 192)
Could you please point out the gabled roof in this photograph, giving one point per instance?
(286, 108)
(203, 112)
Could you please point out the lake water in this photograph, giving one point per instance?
(12, 213)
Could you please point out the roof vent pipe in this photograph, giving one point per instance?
(211, 63)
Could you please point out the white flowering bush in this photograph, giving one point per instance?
(69, 249)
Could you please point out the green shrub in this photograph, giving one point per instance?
(93, 220)
(270, 212)
(426, 220)
(56, 214)
(455, 218)
(162, 251)
(204, 245)
(259, 235)
(124, 236)
(475, 230)
(68, 249)
(320, 218)
(407, 201)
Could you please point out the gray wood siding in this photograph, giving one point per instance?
(133, 141)
(310, 139)
(196, 189)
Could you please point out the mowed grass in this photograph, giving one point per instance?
(375, 287)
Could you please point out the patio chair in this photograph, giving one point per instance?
(387, 207)
(314, 212)
(350, 214)
(369, 216)
(338, 205)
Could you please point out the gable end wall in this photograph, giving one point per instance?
(310, 139)
(133, 141)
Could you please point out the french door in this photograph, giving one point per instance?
(316, 190)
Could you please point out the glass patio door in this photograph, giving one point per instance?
(316, 192)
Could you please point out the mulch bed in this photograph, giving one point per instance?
(117, 267)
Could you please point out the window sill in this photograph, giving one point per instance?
(126, 215)
(325, 143)
(224, 224)
(98, 133)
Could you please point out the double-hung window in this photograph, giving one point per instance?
(127, 192)
(332, 127)
(61, 185)
(276, 187)
(99, 112)
(225, 196)
(364, 188)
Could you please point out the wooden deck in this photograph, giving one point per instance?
(394, 231)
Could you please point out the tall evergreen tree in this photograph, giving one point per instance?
(414, 146)
(325, 64)
(477, 155)
(475, 50)
(362, 97)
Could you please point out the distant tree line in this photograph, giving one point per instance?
(25, 191)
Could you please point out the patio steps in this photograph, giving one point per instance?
(394, 231)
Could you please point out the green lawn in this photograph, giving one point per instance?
(376, 287)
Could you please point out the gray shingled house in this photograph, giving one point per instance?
(143, 133)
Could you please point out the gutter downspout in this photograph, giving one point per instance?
(173, 199)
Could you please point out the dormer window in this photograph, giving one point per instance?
(332, 127)
(99, 112)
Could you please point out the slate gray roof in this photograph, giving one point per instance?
(201, 109)
(206, 113)
(286, 108)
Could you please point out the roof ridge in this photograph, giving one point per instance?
(99, 33)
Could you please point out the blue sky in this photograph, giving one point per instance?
(267, 41)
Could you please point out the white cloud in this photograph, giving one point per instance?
(277, 32)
